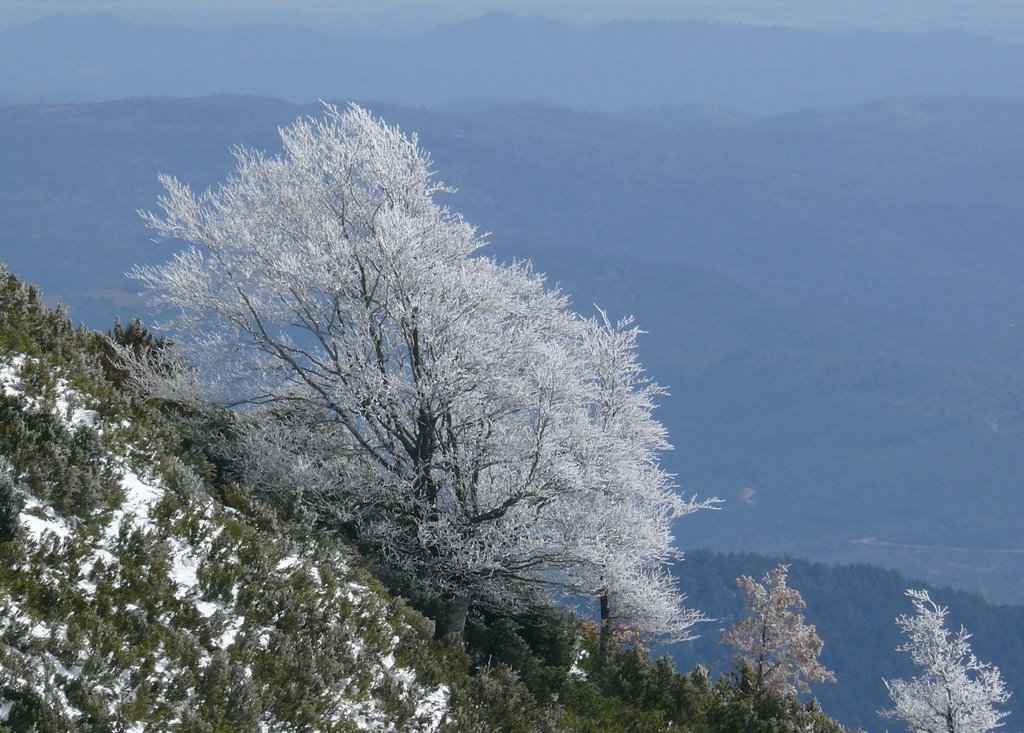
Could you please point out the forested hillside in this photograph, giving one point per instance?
(145, 589)
(854, 608)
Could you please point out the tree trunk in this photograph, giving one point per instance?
(604, 646)
(452, 618)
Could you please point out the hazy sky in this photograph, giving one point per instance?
(998, 17)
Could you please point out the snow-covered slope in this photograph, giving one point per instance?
(163, 608)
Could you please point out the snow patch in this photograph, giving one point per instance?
(183, 569)
(40, 519)
(208, 608)
(433, 707)
(89, 418)
(228, 637)
(405, 677)
(139, 496)
(9, 375)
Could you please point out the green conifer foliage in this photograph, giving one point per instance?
(11, 504)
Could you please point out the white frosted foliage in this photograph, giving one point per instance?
(487, 441)
(955, 692)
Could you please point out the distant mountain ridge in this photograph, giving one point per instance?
(608, 66)
(834, 306)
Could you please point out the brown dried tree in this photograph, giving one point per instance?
(779, 647)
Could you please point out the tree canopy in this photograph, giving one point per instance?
(485, 442)
(955, 692)
(781, 649)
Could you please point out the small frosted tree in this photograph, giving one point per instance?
(779, 647)
(483, 441)
(955, 693)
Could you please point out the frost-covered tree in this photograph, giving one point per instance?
(633, 498)
(955, 693)
(486, 443)
(780, 648)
